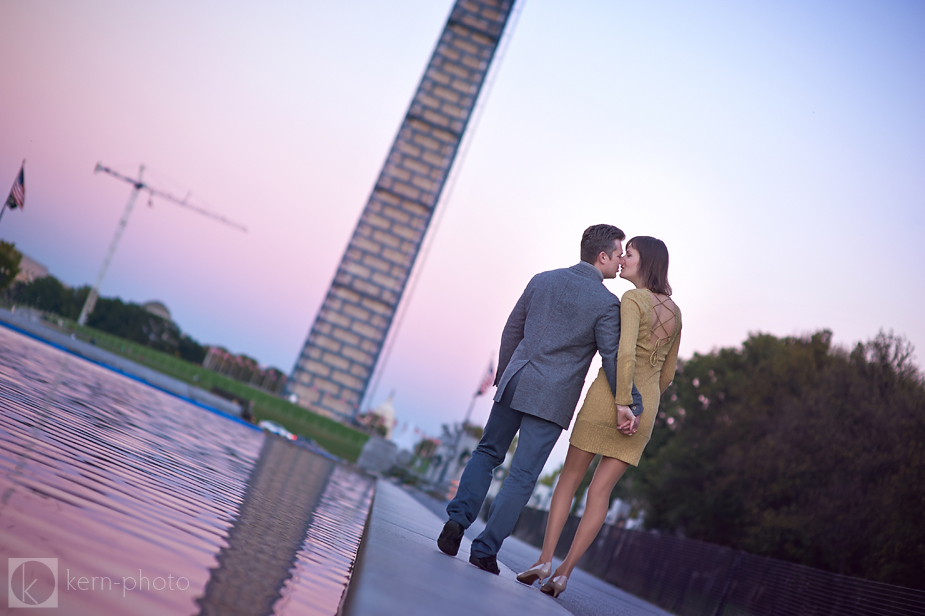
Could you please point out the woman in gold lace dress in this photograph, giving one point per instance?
(649, 339)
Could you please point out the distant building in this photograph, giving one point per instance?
(158, 309)
(244, 369)
(346, 340)
(452, 454)
(381, 420)
(29, 270)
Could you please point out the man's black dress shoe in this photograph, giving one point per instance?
(485, 563)
(450, 538)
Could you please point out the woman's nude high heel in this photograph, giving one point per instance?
(555, 585)
(534, 573)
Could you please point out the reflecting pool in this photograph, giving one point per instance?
(153, 505)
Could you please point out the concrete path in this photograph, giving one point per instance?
(400, 571)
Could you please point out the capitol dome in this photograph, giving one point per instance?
(158, 309)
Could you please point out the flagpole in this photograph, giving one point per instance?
(459, 432)
(478, 392)
(6, 203)
(471, 406)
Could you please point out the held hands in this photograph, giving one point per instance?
(627, 423)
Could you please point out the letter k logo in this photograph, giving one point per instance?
(33, 582)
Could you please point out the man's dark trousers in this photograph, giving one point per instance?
(537, 438)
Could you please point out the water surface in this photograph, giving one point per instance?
(159, 505)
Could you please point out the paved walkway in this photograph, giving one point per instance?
(400, 571)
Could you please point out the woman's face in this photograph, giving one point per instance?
(630, 267)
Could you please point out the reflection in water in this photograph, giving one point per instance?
(294, 503)
(129, 485)
(325, 562)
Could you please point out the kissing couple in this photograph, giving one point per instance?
(561, 320)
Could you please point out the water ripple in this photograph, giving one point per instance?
(123, 482)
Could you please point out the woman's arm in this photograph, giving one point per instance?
(630, 316)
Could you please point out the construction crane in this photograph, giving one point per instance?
(137, 187)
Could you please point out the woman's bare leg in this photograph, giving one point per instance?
(573, 471)
(606, 476)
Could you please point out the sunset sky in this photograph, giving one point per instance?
(777, 148)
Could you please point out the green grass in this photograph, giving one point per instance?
(340, 440)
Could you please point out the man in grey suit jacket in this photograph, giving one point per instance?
(562, 319)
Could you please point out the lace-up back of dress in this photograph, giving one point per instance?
(664, 324)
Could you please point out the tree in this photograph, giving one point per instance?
(111, 315)
(10, 258)
(50, 295)
(550, 479)
(795, 449)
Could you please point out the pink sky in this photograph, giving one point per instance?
(778, 151)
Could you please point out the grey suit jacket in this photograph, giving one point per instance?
(563, 317)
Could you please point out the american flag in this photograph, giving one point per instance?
(488, 381)
(17, 196)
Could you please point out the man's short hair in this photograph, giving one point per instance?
(597, 239)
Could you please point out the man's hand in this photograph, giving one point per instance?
(627, 423)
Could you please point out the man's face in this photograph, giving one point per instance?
(609, 266)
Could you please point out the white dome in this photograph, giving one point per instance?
(157, 308)
(386, 410)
